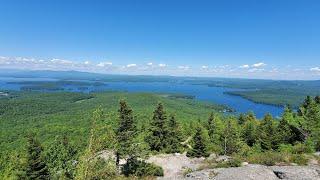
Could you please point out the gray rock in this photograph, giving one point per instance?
(223, 158)
(259, 172)
(296, 172)
(212, 156)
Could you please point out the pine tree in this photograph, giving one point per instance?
(199, 148)
(158, 131)
(215, 129)
(231, 137)
(249, 132)
(305, 106)
(312, 118)
(126, 132)
(242, 119)
(174, 136)
(36, 165)
(317, 99)
(267, 132)
(285, 134)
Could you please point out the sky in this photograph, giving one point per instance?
(269, 39)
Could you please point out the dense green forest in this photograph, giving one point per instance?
(58, 135)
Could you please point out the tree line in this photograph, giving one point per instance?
(297, 131)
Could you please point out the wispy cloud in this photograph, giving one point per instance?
(131, 65)
(245, 66)
(204, 67)
(260, 64)
(184, 67)
(257, 70)
(162, 65)
(104, 64)
(316, 69)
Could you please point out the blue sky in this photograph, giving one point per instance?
(278, 39)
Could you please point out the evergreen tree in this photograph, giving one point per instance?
(215, 129)
(36, 165)
(312, 118)
(174, 136)
(267, 132)
(317, 99)
(126, 132)
(199, 147)
(285, 134)
(305, 106)
(231, 137)
(242, 119)
(249, 132)
(158, 131)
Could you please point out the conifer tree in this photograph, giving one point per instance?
(267, 132)
(158, 131)
(242, 119)
(215, 129)
(285, 134)
(174, 136)
(231, 137)
(312, 118)
(199, 147)
(36, 165)
(317, 99)
(249, 132)
(126, 131)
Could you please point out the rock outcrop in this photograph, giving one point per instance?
(259, 172)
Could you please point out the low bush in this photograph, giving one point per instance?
(268, 158)
(299, 159)
(236, 162)
(140, 168)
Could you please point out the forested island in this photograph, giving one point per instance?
(67, 135)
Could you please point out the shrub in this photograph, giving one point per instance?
(236, 162)
(285, 148)
(301, 148)
(141, 168)
(300, 159)
(268, 158)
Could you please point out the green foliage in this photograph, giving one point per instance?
(267, 131)
(60, 157)
(231, 137)
(140, 168)
(268, 158)
(15, 167)
(126, 131)
(97, 168)
(215, 131)
(158, 131)
(299, 159)
(234, 162)
(36, 167)
(266, 142)
(199, 147)
(249, 129)
(174, 137)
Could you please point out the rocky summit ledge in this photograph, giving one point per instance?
(258, 172)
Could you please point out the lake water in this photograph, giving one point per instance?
(200, 92)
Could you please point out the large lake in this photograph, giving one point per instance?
(200, 92)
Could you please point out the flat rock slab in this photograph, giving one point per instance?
(297, 172)
(174, 164)
(258, 172)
